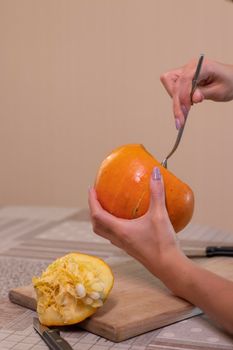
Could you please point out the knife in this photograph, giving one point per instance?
(208, 251)
(51, 336)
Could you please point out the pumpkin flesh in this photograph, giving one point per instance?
(72, 288)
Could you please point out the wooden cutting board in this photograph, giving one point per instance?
(138, 303)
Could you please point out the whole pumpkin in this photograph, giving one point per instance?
(123, 186)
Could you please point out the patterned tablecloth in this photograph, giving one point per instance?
(32, 237)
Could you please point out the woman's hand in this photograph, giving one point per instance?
(215, 83)
(150, 239)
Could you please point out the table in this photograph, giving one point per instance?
(31, 237)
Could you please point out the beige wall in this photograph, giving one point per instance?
(80, 77)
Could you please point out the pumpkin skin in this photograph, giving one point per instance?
(123, 186)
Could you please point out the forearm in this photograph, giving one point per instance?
(208, 291)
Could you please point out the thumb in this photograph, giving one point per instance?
(157, 198)
(198, 96)
(211, 92)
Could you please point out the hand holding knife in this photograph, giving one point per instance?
(51, 336)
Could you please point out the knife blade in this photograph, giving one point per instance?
(208, 251)
(51, 336)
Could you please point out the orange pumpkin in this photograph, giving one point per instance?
(122, 186)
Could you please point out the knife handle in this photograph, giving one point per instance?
(219, 251)
(55, 341)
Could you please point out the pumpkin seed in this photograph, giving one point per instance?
(80, 290)
(94, 295)
(87, 300)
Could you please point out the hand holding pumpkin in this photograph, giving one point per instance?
(150, 238)
(123, 186)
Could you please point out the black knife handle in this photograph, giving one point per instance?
(219, 251)
(55, 341)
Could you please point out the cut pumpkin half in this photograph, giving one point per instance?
(72, 288)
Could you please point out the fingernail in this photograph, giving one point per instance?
(156, 174)
(185, 111)
(177, 123)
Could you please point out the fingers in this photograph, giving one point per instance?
(178, 84)
(158, 210)
(181, 100)
(94, 205)
(104, 224)
(169, 79)
(179, 110)
(157, 200)
(198, 96)
(213, 92)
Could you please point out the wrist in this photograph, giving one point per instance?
(166, 263)
(178, 274)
